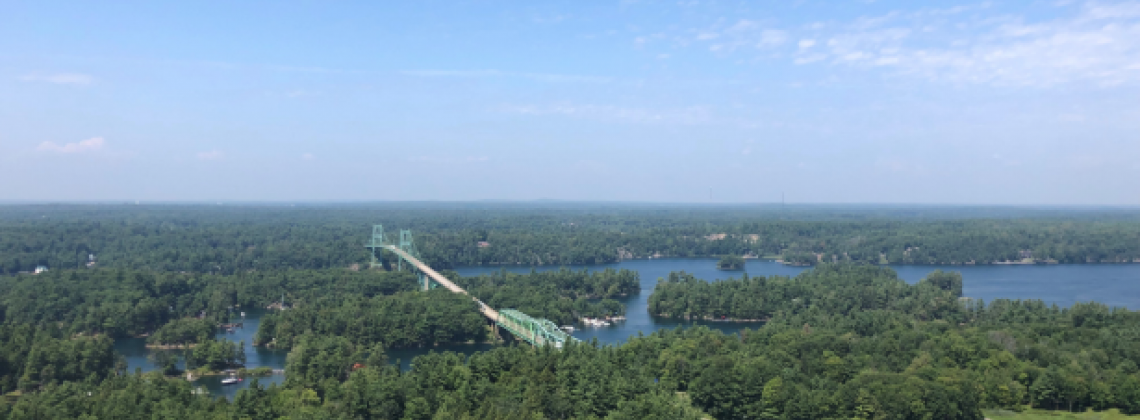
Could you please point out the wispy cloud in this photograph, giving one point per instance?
(742, 33)
(211, 155)
(83, 146)
(542, 77)
(308, 156)
(1095, 43)
(60, 78)
(1099, 45)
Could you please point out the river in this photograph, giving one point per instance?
(1111, 284)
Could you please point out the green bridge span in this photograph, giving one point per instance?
(536, 331)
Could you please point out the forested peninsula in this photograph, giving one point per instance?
(860, 335)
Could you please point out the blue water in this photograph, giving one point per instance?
(1112, 284)
(139, 357)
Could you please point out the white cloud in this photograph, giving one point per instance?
(60, 78)
(743, 33)
(772, 38)
(211, 155)
(1100, 45)
(1095, 43)
(82, 146)
(743, 25)
(308, 156)
(807, 59)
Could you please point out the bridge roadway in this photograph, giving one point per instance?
(443, 281)
(537, 332)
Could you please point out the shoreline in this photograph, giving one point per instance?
(170, 346)
(709, 318)
(776, 260)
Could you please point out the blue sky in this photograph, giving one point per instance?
(1028, 102)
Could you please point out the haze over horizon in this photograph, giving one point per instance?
(973, 103)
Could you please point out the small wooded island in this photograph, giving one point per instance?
(730, 262)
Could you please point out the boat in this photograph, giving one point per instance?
(595, 322)
(230, 380)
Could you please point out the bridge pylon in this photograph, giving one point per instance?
(407, 244)
(377, 244)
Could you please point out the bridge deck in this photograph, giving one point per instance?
(443, 281)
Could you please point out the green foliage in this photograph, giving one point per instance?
(561, 296)
(183, 331)
(840, 342)
(211, 239)
(410, 319)
(908, 356)
(879, 345)
(216, 355)
(835, 290)
(31, 358)
(730, 262)
(166, 362)
(128, 302)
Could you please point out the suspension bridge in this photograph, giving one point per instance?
(536, 331)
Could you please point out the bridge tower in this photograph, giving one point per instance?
(377, 244)
(408, 245)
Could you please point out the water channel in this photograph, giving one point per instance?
(1111, 284)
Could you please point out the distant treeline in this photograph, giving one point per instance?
(231, 239)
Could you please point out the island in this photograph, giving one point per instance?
(730, 262)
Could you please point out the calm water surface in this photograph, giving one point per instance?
(1115, 285)
(139, 357)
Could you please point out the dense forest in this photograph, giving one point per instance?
(34, 357)
(878, 328)
(841, 342)
(844, 340)
(410, 319)
(183, 332)
(562, 296)
(683, 296)
(121, 303)
(231, 239)
(439, 317)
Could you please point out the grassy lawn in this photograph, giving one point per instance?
(1056, 415)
